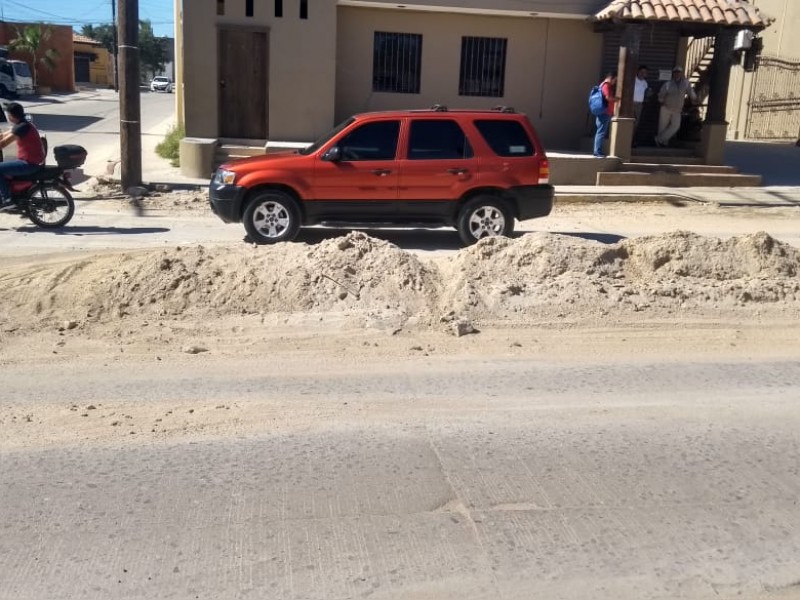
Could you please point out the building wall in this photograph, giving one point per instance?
(100, 69)
(301, 73)
(550, 66)
(780, 40)
(575, 7)
(62, 78)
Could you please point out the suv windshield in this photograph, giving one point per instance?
(324, 139)
(160, 80)
(22, 69)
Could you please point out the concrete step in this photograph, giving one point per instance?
(667, 160)
(678, 179)
(239, 151)
(677, 168)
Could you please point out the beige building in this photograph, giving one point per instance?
(765, 104)
(288, 70)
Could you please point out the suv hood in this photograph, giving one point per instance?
(256, 163)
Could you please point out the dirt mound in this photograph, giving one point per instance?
(685, 254)
(355, 272)
(533, 277)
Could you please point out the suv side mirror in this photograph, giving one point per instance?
(333, 155)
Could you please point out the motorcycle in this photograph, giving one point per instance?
(43, 197)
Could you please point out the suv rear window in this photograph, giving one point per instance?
(437, 140)
(506, 138)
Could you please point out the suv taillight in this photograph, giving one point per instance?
(544, 171)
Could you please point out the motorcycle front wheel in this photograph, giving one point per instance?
(50, 206)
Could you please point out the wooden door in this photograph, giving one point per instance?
(243, 83)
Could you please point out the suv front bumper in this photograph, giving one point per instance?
(532, 201)
(226, 201)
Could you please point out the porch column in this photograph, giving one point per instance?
(623, 122)
(715, 127)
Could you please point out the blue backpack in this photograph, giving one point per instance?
(597, 102)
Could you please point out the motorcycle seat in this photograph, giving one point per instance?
(45, 172)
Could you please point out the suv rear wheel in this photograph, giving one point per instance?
(271, 217)
(484, 216)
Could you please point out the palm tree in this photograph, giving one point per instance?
(31, 40)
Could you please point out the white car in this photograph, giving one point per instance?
(161, 84)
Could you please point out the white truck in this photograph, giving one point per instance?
(15, 76)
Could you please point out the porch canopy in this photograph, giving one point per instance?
(718, 19)
(729, 13)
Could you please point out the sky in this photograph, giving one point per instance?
(80, 12)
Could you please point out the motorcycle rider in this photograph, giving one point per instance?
(30, 151)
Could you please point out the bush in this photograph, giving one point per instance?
(170, 147)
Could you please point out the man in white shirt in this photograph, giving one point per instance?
(640, 93)
(672, 95)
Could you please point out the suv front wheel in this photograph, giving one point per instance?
(484, 216)
(272, 217)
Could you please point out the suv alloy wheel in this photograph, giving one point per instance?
(271, 217)
(484, 216)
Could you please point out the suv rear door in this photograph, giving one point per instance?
(512, 156)
(437, 166)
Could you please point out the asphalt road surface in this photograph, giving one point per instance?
(113, 224)
(493, 479)
(91, 119)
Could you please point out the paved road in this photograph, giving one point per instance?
(91, 119)
(113, 224)
(481, 479)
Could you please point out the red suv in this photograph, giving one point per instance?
(474, 170)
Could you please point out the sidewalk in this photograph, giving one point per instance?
(774, 196)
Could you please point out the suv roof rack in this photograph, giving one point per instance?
(439, 108)
(504, 109)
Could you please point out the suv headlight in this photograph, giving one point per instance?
(226, 177)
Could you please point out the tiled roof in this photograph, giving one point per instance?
(716, 12)
(82, 39)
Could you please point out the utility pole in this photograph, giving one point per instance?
(130, 104)
(116, 43)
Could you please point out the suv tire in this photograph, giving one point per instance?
(272, 217)
(484, 216)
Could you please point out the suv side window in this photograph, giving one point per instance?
(506, 138)
(371, 141)
(438, 140)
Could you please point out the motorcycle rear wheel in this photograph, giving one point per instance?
(50, 206)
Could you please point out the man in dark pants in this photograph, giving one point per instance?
(30, 151)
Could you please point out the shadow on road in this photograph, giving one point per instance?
(431, 239)
(775, 162)
(63, 123)
(91, 230)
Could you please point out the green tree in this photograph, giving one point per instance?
(32, 40)
(103, 33)
(152, 53)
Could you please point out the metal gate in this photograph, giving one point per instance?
(774, 108)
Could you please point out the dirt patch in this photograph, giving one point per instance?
(533, 277)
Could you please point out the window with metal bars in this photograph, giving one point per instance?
(483, 67)
(397, 62)
(221, 8)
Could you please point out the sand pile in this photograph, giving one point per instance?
(532, 277)
(354, 272)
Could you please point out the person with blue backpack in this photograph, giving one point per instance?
(602, 99)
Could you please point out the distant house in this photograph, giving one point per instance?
(93, 62)
(60, 79)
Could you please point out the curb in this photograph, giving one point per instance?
(601, 198)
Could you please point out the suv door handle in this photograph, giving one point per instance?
(381, 172)
(458, 171)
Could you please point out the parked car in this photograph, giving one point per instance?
(161, 84)
(476, 171)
